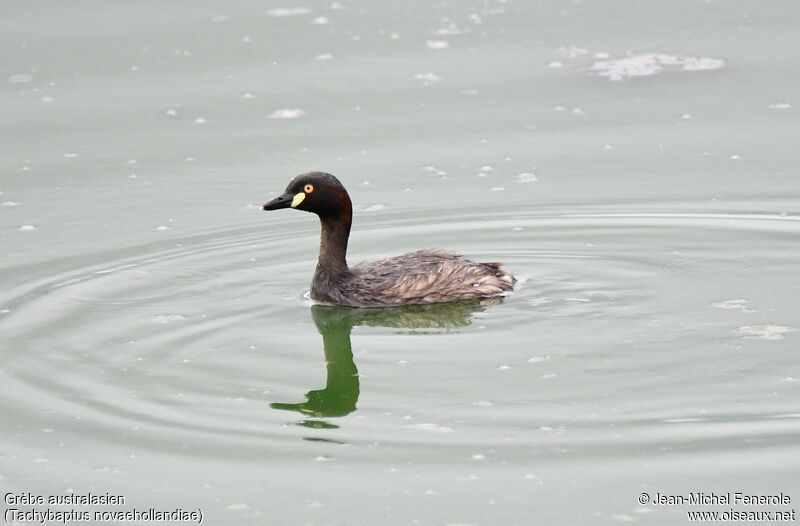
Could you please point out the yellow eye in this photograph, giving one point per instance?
(308, 188)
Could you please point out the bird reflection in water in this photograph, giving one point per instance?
(340, 395)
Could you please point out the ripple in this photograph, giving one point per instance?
(188, 340)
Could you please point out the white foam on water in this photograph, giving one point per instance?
(287, 113)
(432, 428)
(527, 177)
(737, 304)
(428, 77)
(649, 64)
(437, 44)
(20, 78)
(764, 332)
(279, 12)
(166, 318)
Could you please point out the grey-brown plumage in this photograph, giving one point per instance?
(417, 278)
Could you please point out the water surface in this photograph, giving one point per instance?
(156, 342)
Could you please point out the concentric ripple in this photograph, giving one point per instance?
(183, 345)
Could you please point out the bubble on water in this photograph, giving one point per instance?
(437, 44)
(764, 332)
(375, 208)
(497, 189)
(9, 203)
(200, 120)
(602, 54)
(70, 155)
(238, 506)
(780, 106)
(322, 458)
(220, 19)
(559, 108)
(577, 111)
(320, 21)
(279, 12)
(651, 64)
(555, 64)
(323, 56)
(27, 228)
(288, 113)
(483, 403)
(46, 99)
(478, 456)
(161, 227)
(504, 367)
(735, 157)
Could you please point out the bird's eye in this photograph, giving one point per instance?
(308, 188)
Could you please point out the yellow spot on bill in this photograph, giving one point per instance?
(298, 198)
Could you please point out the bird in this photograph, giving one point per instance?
(417, 278)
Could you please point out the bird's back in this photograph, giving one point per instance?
(422, 277)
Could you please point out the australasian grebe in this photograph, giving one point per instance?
(425, 276)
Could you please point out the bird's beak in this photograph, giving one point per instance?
(282, 201)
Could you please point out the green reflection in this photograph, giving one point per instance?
(340, 395)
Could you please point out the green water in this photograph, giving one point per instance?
(155, 337)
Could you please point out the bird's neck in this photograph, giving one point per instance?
(333, 244)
